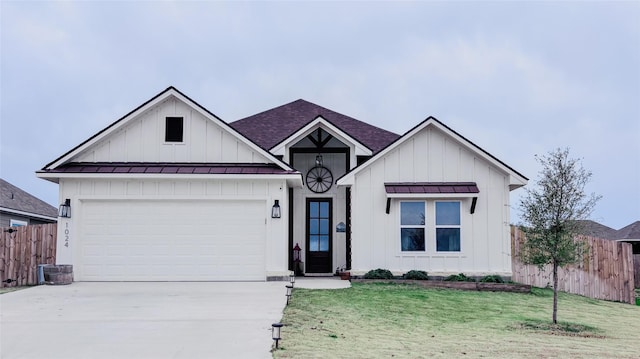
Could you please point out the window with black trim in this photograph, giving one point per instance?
(448, 226)
(174, 129)
(412, 226)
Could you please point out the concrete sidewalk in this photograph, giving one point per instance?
(321, 283)
(141, 320)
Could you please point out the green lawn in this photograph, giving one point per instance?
(374, 320)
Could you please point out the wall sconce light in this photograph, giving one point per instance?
(275, 210)
(289, 289)
(65, 209)
(275, 332)
(319, 161)
(341, 227)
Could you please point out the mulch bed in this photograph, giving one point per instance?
(479, 286)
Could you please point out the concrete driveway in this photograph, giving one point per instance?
(141, 320)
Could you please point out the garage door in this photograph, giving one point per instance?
(171, 241)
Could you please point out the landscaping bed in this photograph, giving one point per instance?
(479, 286)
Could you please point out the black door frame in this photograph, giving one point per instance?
(311, 256)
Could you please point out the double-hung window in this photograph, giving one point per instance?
(447, 226)
(430, 226)
(412, 226)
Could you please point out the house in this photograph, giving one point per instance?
(629, 234)
(19, 208)
(172, 192)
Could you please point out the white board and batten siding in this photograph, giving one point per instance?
(141, 139)
(430, 155)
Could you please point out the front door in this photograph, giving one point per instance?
(319, 214)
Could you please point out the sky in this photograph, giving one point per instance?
(518, 79)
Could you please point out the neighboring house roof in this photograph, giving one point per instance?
(180, 168)
(595, 229)
(15, 200)
(631, 231)
(517, 180)
(271, 127)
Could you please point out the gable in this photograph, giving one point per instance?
(140, 136)
(273, 127)
(432, 152)
(142, 139)
(334, 137)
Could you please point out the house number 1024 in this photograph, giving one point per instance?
(66, 235)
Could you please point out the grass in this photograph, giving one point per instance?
(375, 320)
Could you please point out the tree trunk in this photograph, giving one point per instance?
(555, 292)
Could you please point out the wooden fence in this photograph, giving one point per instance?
(22, 251)
(606, 272)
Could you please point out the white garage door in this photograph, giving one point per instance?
(171, 241)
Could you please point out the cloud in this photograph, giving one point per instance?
(517, 79)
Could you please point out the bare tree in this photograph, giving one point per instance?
(552, 212)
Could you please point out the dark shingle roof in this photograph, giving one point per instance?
(271, 127)
(631, 231)
(180, 168)
(595, 229)
(12, 197)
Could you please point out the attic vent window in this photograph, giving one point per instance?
(174, 129)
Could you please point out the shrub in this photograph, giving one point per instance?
(460, 277)
(378, 274)
(416, 274)
(492, 279)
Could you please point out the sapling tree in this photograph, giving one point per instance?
(552, 212)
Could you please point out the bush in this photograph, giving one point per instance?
(416, 274)
(460, 277)
(492, 279)
(378, 274)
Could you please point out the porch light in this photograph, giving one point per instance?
(296, 253)
(275, 332)
(65, 209)
(289, 290)
(319, 161)
(275, 210)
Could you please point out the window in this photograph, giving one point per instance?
(412, 226)
(17, 223)
(173, 129)
(319, 226)
(448, 226)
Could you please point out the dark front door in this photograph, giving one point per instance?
(319, 235)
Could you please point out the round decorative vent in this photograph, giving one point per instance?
(319, 179)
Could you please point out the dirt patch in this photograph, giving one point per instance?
(561, 329)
